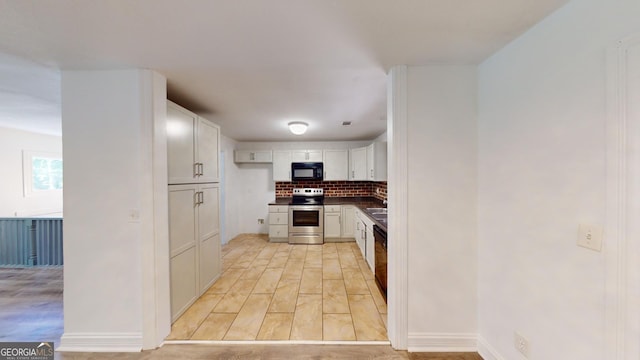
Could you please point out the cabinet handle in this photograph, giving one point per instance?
(340, 220)
(201, 197)
(372, 173)
(196, 199)
(252, 156)
(195, 169)
(353, 174)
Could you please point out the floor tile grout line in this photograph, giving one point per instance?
(346, 250)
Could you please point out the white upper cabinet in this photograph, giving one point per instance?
(193, 147)
(358, 164)
(208, 151)
(281, 165)
(377, 161)
(253, 156)
(336, 165)
(306, 156)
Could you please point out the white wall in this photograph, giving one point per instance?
(116, 232)
(442, 181)
(232, 189)
(14, 201)
(254, 186)
(541, 167)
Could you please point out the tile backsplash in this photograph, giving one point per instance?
(336, 188)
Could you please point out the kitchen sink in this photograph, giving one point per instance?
(376, 211)
(379, 214)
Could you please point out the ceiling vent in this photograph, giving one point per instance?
(346, 123)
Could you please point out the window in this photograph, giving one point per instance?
(42, 172)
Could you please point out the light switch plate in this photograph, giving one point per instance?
(590, 236)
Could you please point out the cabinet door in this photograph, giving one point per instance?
(358, 164)
(182, 247)
(278, 218)
(208, 151)
(377, 161)
(209, 234)
(314, 156)
(336, 165)
(348, 221)
(370, 163)
(263, 156)
(299, 156)
(332, 225)
(281, 165)
(181, 132)
(306, 156)
(278, 231)
(358, 235)
(242, 156)
(252, 156)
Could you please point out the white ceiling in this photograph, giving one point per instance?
(250, 65)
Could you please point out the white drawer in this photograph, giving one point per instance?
(278, 218)
(278, 231)
(332, 208)
(278, 208)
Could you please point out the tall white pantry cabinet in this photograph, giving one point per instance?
(193, 146)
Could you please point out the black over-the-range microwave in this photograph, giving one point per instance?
(306, 171)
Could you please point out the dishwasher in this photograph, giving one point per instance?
(380, 237)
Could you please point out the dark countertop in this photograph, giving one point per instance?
(361, 202)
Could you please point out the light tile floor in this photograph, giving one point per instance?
(272, 291)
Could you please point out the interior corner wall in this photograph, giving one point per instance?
(541, 134)
(108, 207)
(14, 201)
(231, 192)
(441, 112)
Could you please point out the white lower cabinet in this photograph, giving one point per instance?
(339, 222)
(359, 234)
(278, 223)
(364, 237)
(194, 242)
(370, 245)
(347, 223)
(332, 227)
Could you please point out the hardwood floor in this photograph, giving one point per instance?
(272, 291)
(31, 310)
(31, 304)
(270, 352)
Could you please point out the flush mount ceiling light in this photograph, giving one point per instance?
(298, 127)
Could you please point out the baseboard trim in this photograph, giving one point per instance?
(101, 342)
(487, 351)
(442, 342)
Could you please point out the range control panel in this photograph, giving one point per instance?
(308, 192)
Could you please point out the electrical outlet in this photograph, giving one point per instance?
(521, 344)
(260, 221)
(590, 236)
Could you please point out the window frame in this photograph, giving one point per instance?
(27, 171)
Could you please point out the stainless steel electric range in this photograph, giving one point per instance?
(306, 216)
